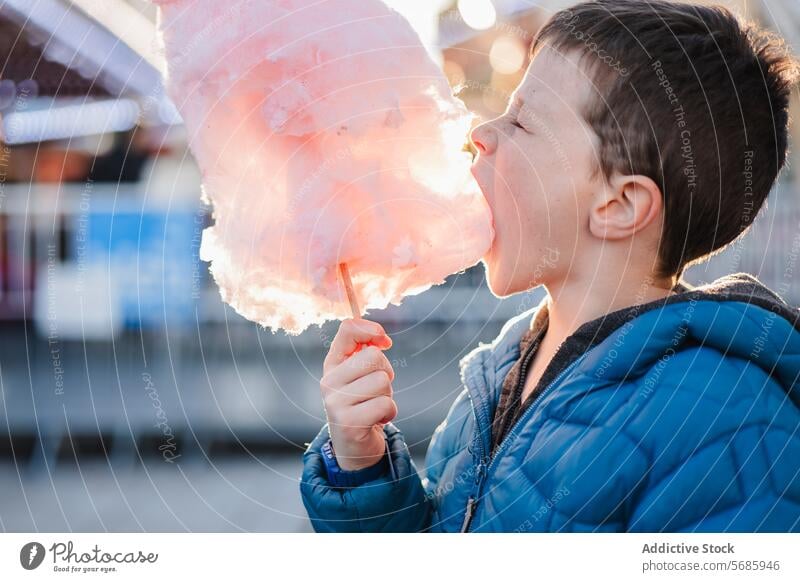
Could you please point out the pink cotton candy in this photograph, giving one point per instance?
(325, 134)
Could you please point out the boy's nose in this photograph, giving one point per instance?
(484, 139)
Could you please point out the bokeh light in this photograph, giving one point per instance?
(507, 55)
(477, 14)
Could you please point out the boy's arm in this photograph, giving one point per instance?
(346, 483)
(720, 458)
(395, 501)
(746, 488)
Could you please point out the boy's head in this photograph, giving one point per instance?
(644, 136)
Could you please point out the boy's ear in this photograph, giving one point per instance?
(626, 205)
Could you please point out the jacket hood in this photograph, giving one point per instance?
(736, 315)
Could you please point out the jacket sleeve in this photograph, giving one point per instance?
(750, 485)
(722, 446)
(389, 503)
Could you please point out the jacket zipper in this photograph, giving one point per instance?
(523, 371)
(480, 473)
(468, 514)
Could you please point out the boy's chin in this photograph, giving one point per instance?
(498, 284)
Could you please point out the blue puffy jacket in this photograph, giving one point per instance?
(685, 418)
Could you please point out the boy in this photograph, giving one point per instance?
(644, 137)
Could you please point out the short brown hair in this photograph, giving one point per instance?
(693, 98)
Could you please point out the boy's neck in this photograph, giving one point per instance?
(576, 302)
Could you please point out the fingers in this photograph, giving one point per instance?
(370, 386)
(351, 335)
(355, 419)
(378, 410)
(357, 382)
(366, 361)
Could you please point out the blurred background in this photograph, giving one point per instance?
(131, 397)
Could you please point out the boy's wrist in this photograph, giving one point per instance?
(340, 477)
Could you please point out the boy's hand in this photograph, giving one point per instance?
(357, 392)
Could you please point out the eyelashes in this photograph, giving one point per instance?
(513, 121)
